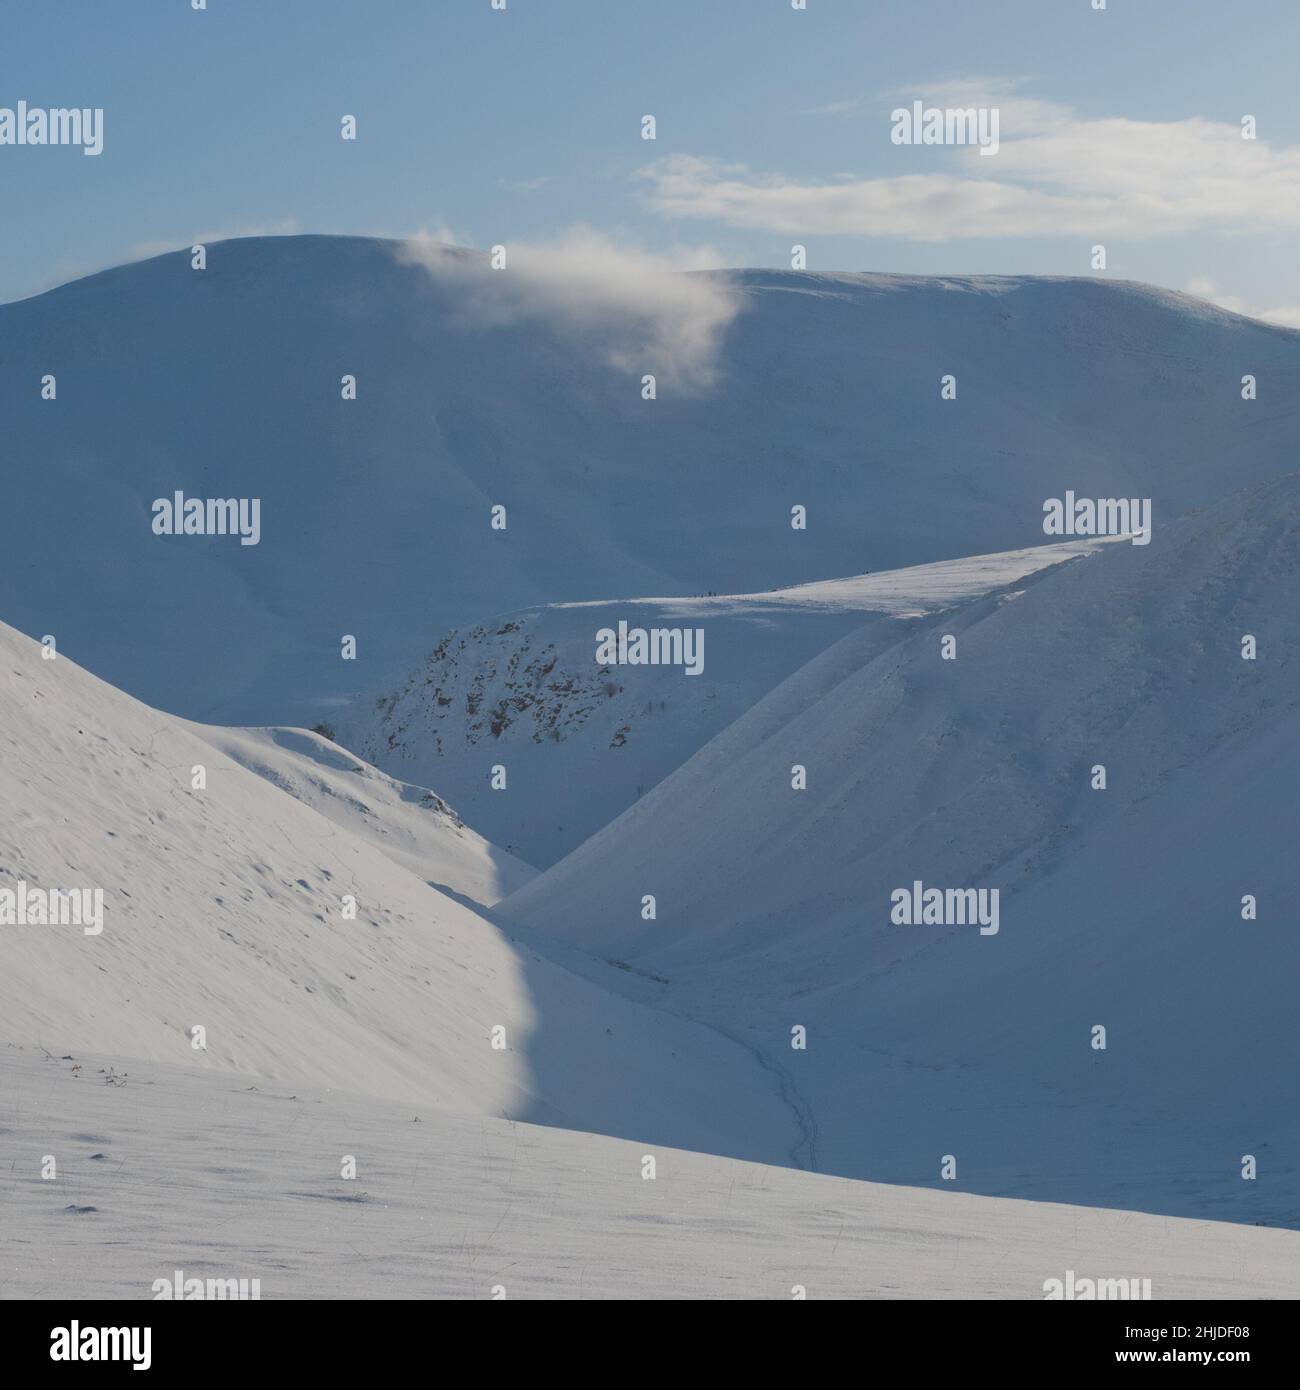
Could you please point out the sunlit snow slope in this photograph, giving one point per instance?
(413, 826)
(224, 909)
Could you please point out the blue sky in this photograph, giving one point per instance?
(1119, 127)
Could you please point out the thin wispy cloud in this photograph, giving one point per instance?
(1056, 173)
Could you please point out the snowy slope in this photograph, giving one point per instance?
(580, 742)
(1118, 907)
(413, 826)
(224, 908)
(825, 392)
(453, 1207)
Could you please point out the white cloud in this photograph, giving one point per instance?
(425, 244)
(1204, 288)
(1056, 173)
(635, 310)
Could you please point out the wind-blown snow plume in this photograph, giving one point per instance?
(637, 311)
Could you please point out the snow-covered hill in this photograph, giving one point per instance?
(827, 757)
(1119, 907)
(227, 382)
(225, 908)
(446, 1206)
(412, 825)
(579, 742)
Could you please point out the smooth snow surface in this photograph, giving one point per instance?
(163, 1169)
